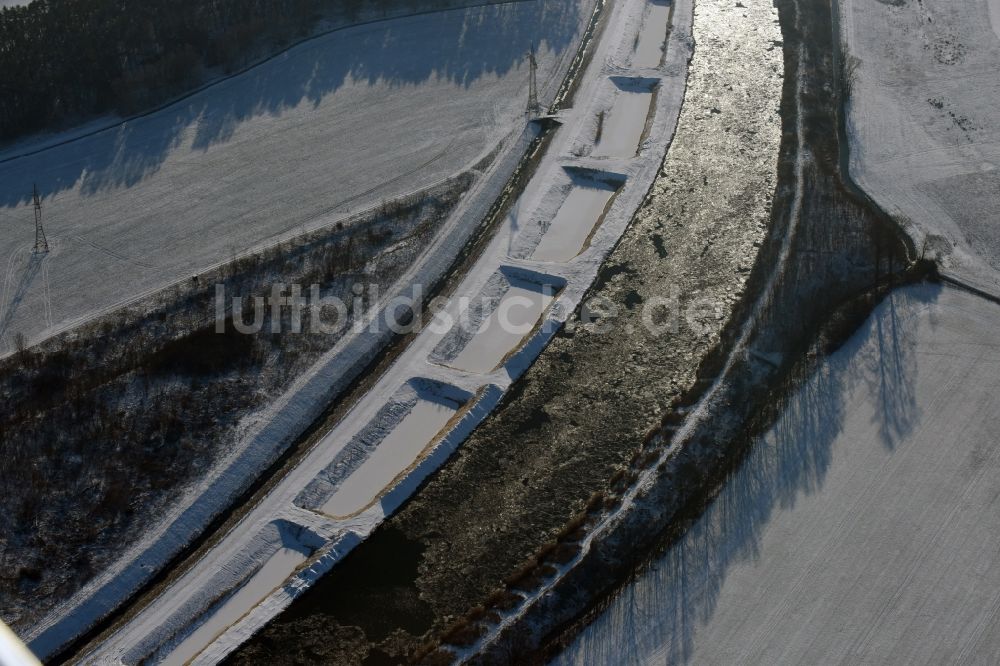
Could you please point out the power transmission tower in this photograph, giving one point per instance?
(534, 107)
(41, 243)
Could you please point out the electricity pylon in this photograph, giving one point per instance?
(41, 242)
(533, 106)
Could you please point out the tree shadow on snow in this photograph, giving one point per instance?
(473, 43)
(16, 285)
(655, 618)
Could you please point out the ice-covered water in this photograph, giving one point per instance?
(518, 312)
(649, 49)
(574, 223)
(274, 572)
(624, 125)
(394, 454)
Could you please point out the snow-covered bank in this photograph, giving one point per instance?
(863, 526)
(330, 127)
(924, 124)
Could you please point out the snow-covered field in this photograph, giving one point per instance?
(862, 529)
(331, 126)
(925, 123)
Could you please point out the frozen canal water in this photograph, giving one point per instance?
(624, 125)
(404, 444)
(863, 529)
(274, 572)
(517, 313)
(649, 49)
(574, 223)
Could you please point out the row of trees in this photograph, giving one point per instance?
(64, 60)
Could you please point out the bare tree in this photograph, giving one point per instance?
(21, 345)
(849, 75)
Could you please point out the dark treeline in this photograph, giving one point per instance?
(64, 60)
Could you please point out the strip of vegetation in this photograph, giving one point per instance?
(104, 427)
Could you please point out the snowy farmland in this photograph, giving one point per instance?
(863, 529)
(332, 126)
(925, 117)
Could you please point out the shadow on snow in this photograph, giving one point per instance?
(661, 612)
(485, 41)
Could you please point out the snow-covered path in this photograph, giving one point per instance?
(330, 127)
(863, 529)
